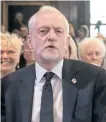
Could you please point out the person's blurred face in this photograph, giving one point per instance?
(93, 54)
(23, 31)
(81, 34)
(28, 53)
(9, 58)
(49, 37)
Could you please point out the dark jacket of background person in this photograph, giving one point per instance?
(22, 62)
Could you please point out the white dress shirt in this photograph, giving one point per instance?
(56, 82)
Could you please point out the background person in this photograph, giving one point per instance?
(23, 32)
(92, 50)
(11, 46)
(71, 50)
(28, 54)
(83, 32)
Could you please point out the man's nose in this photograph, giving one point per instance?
(52, 34)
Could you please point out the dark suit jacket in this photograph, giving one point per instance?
(83, 101)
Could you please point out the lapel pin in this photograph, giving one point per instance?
(73, 80)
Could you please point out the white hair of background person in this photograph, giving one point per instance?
(87, 41)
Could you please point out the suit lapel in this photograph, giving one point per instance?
(69, 91)
(26, 90)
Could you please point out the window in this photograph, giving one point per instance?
(97, 12)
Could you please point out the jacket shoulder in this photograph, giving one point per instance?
(87, 74)
(86, 67)
(16, 76)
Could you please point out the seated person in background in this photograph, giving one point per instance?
(72, 34)
(101, 36)
(83, 32)
(92, 50)
(71, 50)
(23, 32)
(10, 46)
(28, 54)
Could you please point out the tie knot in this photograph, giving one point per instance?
(48, 76)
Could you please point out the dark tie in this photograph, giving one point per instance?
(46, 112)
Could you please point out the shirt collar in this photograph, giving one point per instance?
(40, 71)
(58, 69)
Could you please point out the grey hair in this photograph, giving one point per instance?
(85, 30)
(86, 41)
(43, 9)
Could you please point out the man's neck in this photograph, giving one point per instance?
(48, 65)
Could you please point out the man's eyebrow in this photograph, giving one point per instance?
(48, 27)
(58, 28)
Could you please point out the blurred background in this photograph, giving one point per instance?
(91, 13)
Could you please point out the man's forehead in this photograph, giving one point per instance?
(48, 15)
(52, 18)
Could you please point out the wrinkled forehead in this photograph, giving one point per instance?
(50, 17)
